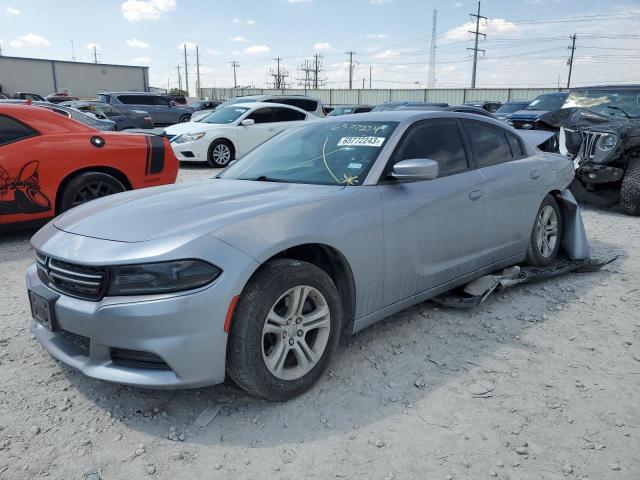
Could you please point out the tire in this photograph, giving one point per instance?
(88, 186)
(184, 119)
(630, 189)
(269, 359)
(220, 154)
(544, 247)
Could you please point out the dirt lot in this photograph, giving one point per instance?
(541, 382)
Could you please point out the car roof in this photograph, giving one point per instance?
(607, 87)
(555, 94)
(255, 105)
(411, 116)
(153, 94)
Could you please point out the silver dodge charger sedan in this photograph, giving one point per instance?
(321, 231)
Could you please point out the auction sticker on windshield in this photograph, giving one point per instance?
(361, 141)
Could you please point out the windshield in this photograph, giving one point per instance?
(224, 115)
(547, 103)
(386, 106)
(607, 102)
(511, 107)
(331, 153)
(340, 111)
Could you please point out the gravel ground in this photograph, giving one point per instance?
(541, 382)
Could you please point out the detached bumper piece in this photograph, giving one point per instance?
(476, 292)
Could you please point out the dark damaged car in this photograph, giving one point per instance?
(599, 127)
(527, 119)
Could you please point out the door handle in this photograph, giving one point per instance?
(535, 174)
(475, 194)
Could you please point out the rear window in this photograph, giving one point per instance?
(490, 145)
(12, 130)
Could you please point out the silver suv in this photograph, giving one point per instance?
(162, 109)
(308, 104)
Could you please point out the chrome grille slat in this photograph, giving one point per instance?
(81, 281)
(589, 142)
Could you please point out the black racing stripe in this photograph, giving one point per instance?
(157, 155)
(148, 153)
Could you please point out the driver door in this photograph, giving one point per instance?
(250, 136)
(433, 229)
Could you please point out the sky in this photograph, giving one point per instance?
(526, 40)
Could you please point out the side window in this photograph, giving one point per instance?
(104, 98)
(288, 115)
(136, 99)
(517, 149)
(263, 115)
(489, 143)
(362, 110)
(302, 103)
(12, 130)
(438, 140)
(162, 101)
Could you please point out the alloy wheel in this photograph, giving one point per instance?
(221, 154)
(296, 332)
(547, 226)
(93, 190)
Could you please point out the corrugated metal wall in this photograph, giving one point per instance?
(452, 96)
(83, 80)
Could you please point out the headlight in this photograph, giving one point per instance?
(607, 142)
(161, 277)
(188, 137)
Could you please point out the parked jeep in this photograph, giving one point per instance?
(599, 127)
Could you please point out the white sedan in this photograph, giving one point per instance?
(230, 132)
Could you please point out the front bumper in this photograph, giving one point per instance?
(183, 332)
(191, 151)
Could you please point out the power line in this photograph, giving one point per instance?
(475, 46)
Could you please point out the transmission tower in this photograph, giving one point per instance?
(431, 81)
(279, 76)
(310, 73)
(475, 48)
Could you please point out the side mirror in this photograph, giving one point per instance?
(415, 169)
(247, 121)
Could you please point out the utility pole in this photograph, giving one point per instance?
(186, 71)
(431, 80)
(73, 52)
(197, 73)
(179, 78)
(570, 61)
(369, 77)
(351, 67)
(475, 47)
(235, 65)
(277, 83)
(279, 75)
(95, 55)
(316, 68)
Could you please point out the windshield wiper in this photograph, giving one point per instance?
(264, 178)
(612, 107)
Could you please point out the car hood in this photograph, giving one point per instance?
(527, 114)
(194, 208)
(193, 127)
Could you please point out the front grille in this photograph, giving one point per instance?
(588, 146)
(79, 342)
(137, 359)
(520, 124)
(80, 281)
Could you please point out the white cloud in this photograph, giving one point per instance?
(236, 20)
(135, 43)
(257, 49)
(29, 40)
(211, 51)
(12, 10)
(238, 39)
(91, 45)
(137, 10)
(251, 22)
(458, 4)
(388, 53)
(299, 1)
(494, 27)
(321, 46)
(375, 36)
(141, 60)
(189, 45)
(378, 2)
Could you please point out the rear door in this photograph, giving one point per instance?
(515, 183)
(287, 117)
(432, 227)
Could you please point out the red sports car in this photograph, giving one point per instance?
(50, 163)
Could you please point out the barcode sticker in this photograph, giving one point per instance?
(361, 141)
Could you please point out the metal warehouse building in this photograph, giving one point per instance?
(83, 80)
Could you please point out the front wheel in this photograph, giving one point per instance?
(546, 235)
(88, 186)
(630, 189)
(220, 153)
(284, 331)
(185, 119)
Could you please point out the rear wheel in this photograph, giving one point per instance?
(546, 235)
(284, 331)
(88, 186)
(185, 119)
(630, 189)
(220, 153)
